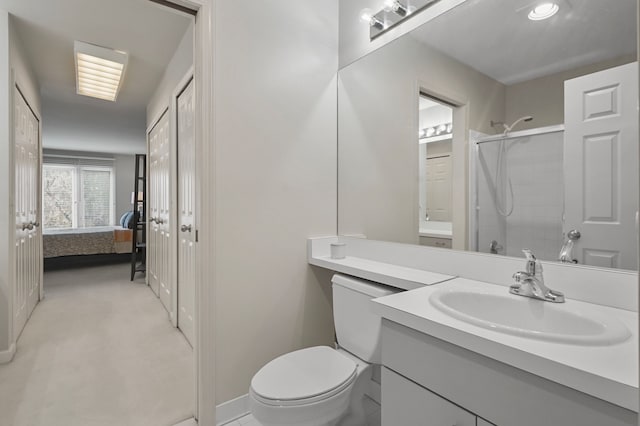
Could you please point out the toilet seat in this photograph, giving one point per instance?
(303, 377)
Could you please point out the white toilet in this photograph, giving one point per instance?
(321, 386)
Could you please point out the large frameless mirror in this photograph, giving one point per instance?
(490, 129)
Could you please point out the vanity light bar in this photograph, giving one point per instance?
(439, 130)
(393, 12)
(99, 71)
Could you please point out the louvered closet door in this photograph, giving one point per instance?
(27, 224)
(160, 233)
(186, 209)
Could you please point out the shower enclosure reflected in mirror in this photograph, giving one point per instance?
(544, 134)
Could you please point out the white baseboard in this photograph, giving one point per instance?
(188, 422)
(7, 356)
(232, 410)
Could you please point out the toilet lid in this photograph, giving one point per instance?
(303, 374)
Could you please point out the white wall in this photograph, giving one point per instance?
(275, 129)
(378, 136)
(12, 60)
(91, 127)
(180, 63)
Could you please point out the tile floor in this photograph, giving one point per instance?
(99, 350)
(372, 409)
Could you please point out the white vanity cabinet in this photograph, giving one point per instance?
(435, 242)
(427, 381)
(407, 404)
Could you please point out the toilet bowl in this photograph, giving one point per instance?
(322, 386)
(309, 387)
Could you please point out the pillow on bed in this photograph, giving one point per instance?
(123, 219)
(127, 220)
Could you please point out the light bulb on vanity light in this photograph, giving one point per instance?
(366, 15)
(396, 7)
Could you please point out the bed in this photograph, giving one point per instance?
(81, 246)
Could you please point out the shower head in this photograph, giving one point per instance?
(508, 129)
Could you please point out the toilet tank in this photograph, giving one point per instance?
(357, 326)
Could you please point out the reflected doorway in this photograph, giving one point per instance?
(435, 142)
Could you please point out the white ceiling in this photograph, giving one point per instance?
(148, 32)
(496, 38)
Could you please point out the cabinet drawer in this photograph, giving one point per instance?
(406, 404)
(435, 242)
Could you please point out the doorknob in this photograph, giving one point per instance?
(28, 226)
(185, 228)
(573, 235)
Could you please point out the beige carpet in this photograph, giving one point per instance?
(98, 350)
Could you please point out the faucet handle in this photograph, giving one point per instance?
(517, 277)
(529, 255)
(534, 268)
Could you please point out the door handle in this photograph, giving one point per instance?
(28, 226)
(185, 228)
(36, 224)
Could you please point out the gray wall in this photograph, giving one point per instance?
(543, 98)
(378, 140)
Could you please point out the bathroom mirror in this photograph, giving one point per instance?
(533, 154)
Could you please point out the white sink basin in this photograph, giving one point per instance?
(501, 311)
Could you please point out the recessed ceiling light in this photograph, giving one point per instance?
(543, 11)
(99, 71)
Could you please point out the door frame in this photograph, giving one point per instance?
(459, 157)
(205, 147)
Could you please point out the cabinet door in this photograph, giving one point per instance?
(404, 403)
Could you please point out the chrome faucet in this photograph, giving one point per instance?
(530, 283)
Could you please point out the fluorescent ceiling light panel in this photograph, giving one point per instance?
(99, 71)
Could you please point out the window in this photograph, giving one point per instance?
(77, 193)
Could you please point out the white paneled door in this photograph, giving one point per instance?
(27, 224)
(439, 187)
(186, 209)
(601, 166)
(160, 232)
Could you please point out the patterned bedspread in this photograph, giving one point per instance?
(72, 242)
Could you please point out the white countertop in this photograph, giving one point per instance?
(435, 229)
(606, 372)
(435, 233)
(383, 273)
